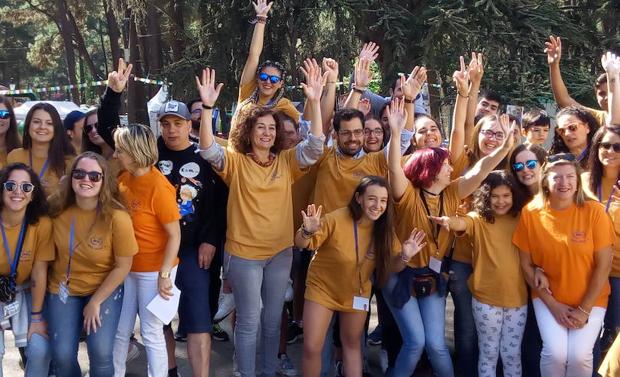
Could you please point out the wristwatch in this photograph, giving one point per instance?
(164, 275)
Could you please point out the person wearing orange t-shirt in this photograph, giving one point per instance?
(95, 245)
(567, 239)
(151, 201)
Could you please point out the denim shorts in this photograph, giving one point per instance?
(193, 281)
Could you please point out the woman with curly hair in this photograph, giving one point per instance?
(9, 134)
(497, 283)
(573, 134)
(259, 174)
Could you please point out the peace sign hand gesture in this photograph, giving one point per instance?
(461, 79)
(117, 80)
(476, 68)
(553, 48)
(413, 84)
(261, 7)
(312, 218)
(413, 244)
(206, 87)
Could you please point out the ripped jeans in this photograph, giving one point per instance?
(65, 322)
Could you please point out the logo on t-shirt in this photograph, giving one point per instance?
(165, 167)
(578, 236)
(25, 255)
(95, 242)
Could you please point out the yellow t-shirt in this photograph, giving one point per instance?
(411, 213)
(50, 178)
(338, 176)
(37, 246)
(610, 367)
(614, 212)
(302, 192)
(335, 274)
(563, 243)
(96, 244)
(497, 278)
(260, 204)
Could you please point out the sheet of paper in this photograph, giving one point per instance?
(164, 309)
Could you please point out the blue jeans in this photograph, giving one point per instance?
(465, 337)
(421, 323)
(38, 356)
(612, 317)
(65, 323)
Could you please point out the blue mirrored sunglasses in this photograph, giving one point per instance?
(5, 114)
(530, 164)
(264, 77)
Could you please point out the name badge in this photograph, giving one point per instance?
(361, 303)
(435, 265)
(11, 309)
(63, 292)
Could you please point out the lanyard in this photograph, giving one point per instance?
(357, 257)
(600, 197)
(43, 169)
(435, 227)
(71, 247)
(18, 247)
(583, 154)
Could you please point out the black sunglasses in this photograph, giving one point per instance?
(530, 164)
(89, 127)
(561, 157)
(93, 176)
(608, 146)
(11, 186)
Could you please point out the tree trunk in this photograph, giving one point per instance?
(64, 27)
(177, 40)
(81, 45)
(136, 95)
(113, 32)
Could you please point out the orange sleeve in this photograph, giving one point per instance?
(603, 229)
(520, 237)
(165, 203)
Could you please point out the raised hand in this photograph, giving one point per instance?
(313, 87)
(413, 244)
(362, 74)
(444, 221)
(611, 63)
(206, 87)
(397, 115)
(261, 7)
(476, 67)
(369, 51)
(461, 79)
(117, 80)
(312, 218)
(413, 84)
(509, 130)
(553, 49)
(331, 67)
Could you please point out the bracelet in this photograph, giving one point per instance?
(37, 313)
(539, 269)
(583, 310)
(409, 100)
(36, 320)
(467, 96)
(402, 257)
(261, 19)
(331, 82)
(359, 90)
(207, 107)
(305, 233)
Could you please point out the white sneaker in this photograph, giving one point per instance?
(288, 296)
(225, 306)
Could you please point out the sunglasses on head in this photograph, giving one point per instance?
(93, 176)
(530, 164)
(5, 114)
(264, 77)
(89, 127)
(561, 157)
(609, 146)
(11, 186)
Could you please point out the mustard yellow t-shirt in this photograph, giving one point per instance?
(37, 246)
(599, 115)
(497, 278)
(302, 193)
(564, 243)
(50, 179)
(260, 204)
(338, 176)
(411, 213)
(96, 244)
(336, 274)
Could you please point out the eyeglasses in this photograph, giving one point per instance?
(561, 157)
(93, 176)
(89, 127)
(608, 146)
(376, 132)
(571, 127)
(5, 114)
(530, 164)
(264, 77)
(11, 186)
(499, 135)
(347, 133)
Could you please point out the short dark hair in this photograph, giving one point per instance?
(490, 95)
(191, 103)
(347, 114)
(535, 117)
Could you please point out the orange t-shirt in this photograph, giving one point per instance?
(152, 203)
(564, 243)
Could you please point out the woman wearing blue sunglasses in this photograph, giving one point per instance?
(9, 135)
(262, 84)
(525, 162)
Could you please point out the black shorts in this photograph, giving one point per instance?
(193, 281)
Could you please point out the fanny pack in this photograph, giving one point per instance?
(7, 289)
(424, 285)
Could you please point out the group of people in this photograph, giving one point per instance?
(347, 200)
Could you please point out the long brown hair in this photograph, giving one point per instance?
(595, 164)
(11, 138)
(383, 228)
(109, 197)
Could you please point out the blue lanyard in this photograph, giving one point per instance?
(600, 197)
(71, 247)
(43, 169)
(18, 247)
(358, 268)
(583, 154)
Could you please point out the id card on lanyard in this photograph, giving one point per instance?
(63, 287)
(434, 262)
(12, 308)
(359, 302)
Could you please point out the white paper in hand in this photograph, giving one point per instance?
(163, 309)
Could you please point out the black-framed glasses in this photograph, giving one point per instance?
(499, 135)
(376, 132)
(610, 146)
(5, 114)
(93, 176)
(11, 186)
(348, 133)
(89, 127)
(561, 157)
(273, 79)
(530, 164)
